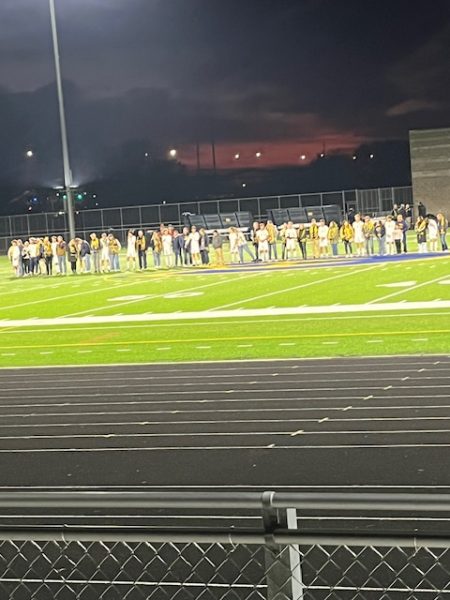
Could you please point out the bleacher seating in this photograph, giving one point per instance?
(221, 222)
(298, 215)
(330, 212)
(244, 220)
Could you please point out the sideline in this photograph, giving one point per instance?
(243, 313)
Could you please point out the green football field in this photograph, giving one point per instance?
(337, 308)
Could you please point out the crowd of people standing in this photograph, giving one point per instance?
(169, 247)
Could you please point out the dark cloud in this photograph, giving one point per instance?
(259, 71)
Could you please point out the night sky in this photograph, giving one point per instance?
(283, 77)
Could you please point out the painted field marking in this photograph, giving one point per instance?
(296, 287)
(154, 296)
(410, 289)
(231, 339)
(207, 315)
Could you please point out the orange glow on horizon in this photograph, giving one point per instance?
(273, 154)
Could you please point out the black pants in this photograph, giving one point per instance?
(142, 255)
(26, 265)
(398, 246)
(73, 266)
(205, 257)
(49, 264)
(303, 249)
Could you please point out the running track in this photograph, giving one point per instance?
(373, 422)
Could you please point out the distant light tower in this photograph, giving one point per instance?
(68, 181)
(258, 155)
(173, 153)
(29, 153)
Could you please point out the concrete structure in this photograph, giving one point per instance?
(430, 166)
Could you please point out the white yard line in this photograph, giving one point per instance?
(244, 313)
(153, 297)
(409, 289)
(295, 287)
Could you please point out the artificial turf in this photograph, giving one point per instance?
(352, 333)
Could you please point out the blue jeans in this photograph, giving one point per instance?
(381, 246)
(96, 260)
(157, 258)
(273, 253)
(443, 241)
(334, 248)
(62, 265)
(369, 246)
(87, 263)
(245, 248)
(114, 262)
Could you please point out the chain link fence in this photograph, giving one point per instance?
(376, 201)
(275, 560)
(146, 570)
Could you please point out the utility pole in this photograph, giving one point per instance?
(68, 182)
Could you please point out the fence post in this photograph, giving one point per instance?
(283, 563)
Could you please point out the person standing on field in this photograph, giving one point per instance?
(273, 235)
(346, 234)
(291, 241)
(114, 251)
(369, 233)
(389, 226)
(61, 250)
(262, 237)
(358, 235)
(323, 238)
(333, 237)
(95, 252)
(442, 223)
(131, 251)
(432, 234)
(314, 237)
(217, 244)
(302, 236)
(421, 232)
(380, 234)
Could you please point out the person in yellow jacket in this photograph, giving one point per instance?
(314, 237)
(346, 234)
(272, 239)
(114, 251)
(141, 245)
(48, 255)
(333, 237)
(369, 235)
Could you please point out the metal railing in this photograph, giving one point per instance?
(120, 219)
(278, 557)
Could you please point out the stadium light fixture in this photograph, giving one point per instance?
(371, 156)
(173, 153)
(237, 156)
(303, 157)
(63, 124)
(29, 154)
(354, 157)
(258, 155)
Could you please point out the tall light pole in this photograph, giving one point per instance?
(62, 117)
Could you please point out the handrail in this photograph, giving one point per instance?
(221, 500)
